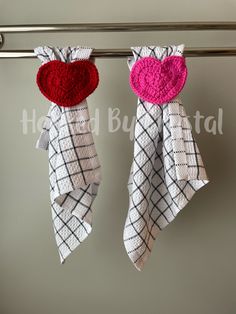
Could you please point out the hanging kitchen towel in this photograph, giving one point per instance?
(167, 167)
(66, 77)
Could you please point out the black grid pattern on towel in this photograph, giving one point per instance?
(156, 195)
(74, 168)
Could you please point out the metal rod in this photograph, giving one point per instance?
(1, 40)
(118, 27)
(120, 53)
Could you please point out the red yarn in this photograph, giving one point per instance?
(67, 84)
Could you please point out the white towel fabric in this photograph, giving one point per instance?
(167, 168)
(74, 168)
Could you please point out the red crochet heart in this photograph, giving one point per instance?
(67, 84)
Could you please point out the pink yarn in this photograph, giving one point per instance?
(158, 81)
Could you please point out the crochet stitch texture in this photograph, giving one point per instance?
(67, 84)
(158, 81)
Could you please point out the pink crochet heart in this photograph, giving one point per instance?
(158, 81)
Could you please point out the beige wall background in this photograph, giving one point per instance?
(192, 267)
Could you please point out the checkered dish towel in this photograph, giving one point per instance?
(167, 168)
(74, 169)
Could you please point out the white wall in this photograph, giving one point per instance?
(192, 267)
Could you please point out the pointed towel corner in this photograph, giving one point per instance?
(74, 168)
(167, 168)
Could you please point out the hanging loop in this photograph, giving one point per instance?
(1, 40)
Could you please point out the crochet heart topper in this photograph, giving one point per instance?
(158, 81)
(67, 84)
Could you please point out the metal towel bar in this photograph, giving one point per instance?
(120, 27)
(120, 53)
